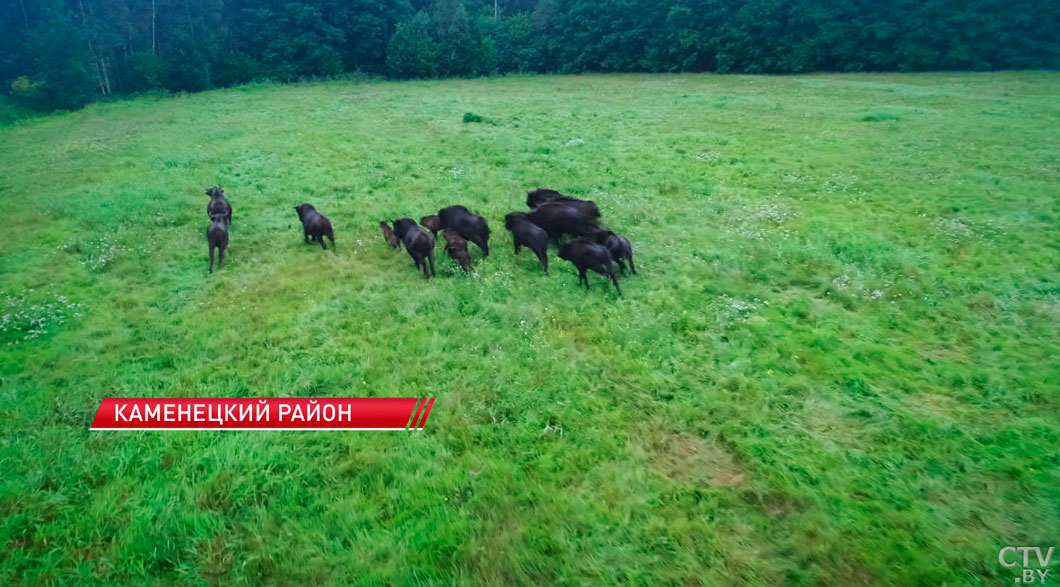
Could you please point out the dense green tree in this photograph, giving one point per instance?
(65, 53)
(412, 52)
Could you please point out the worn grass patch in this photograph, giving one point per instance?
(838, 361)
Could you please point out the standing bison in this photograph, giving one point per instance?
(217, 239)
(468, 225)
(537, 198)
(218, 205)
(527, 234)
(315, 225)
(589, 256)
(418, 243)
(558, 219)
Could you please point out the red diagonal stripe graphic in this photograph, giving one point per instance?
(426, 413)
(415, 412)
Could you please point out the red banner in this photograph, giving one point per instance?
(349, 413)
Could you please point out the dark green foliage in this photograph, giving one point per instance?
(411, 52)
(75, 52)
(61, 71)
(472, 117)
(144, 72)
(234, 68)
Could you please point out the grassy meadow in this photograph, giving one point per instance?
(839, 363)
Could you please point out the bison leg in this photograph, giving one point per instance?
(615, 281)
(542, 255)
(331, 237)
(221, 256)
(211, 258)
(482, 244)
(517, 246)
(430, 257)
(583, 278)
(631, 267)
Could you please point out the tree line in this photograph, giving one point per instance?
(61, 54)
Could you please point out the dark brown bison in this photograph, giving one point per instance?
(431, 223)
(388, 234)
(618, 246)
(217, 239)
(456, 248)
(418, 243)
(539, 197)
(529, 235)
(218, 205)
(468, 225)
(588, 255)
(315, 225)
(558, 219)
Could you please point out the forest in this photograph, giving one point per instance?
(63, 54)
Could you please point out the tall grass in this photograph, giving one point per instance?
(838, 361)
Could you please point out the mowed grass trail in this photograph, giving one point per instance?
(839, 363)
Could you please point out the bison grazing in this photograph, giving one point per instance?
(388, 234)
(470, 226)
(418, 243)
(431, 223)
(218, 205)
(586, 255)
(527, 234)
(456, 248)
(537, 198)
(217, 239)
(618, 246)
(315, 225)
(558, 219)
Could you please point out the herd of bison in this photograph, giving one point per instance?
(569, 222)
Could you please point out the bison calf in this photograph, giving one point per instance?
(418, 243)
(315, 225)
(529, 235)
(470, 226)
(456, 248)
(618, 246)
(218, 205)
(388, 234)
(432, 223)
(217, 239)
(586, 255)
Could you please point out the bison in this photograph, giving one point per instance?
(529, 235)
(388, 234)
(539, 197)
(468, 225)
(218, 205)
(558, 219)
(217, 239)
(618, 246)
(587, 255)
(431, 223)
(418, 243)
(456, 248)
(315, 225)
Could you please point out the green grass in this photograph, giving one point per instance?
(838, 364)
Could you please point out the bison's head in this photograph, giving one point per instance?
(402, 226)
(215, 192)
(303, 210)
(537, 197)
